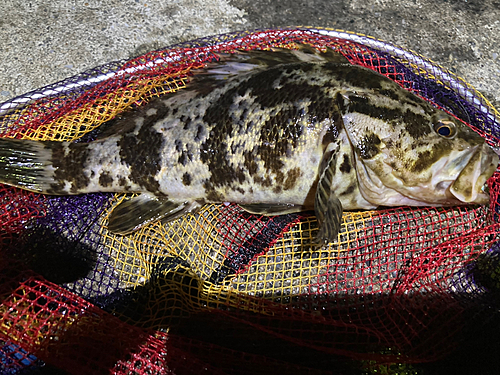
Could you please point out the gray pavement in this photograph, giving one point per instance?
(43, 41)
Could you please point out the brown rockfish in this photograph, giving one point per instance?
(275, 131)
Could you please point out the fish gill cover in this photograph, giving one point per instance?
(224, 291)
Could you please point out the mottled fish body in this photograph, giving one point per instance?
(275, 131)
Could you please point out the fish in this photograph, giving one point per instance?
(276, 131)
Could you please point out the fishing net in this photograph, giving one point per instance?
(226, 292)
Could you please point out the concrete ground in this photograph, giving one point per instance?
(43, 41)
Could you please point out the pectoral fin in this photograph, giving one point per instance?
(271, 209)
(327, 206)
(139, 211)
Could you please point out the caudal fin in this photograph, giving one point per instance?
(26, 164)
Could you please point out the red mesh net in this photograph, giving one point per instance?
(223, 291)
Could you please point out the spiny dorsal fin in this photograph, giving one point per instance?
(231, 64)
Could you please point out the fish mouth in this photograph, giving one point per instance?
(468, 187)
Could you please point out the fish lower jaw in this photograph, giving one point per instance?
(477, 193)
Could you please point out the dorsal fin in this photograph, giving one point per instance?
(230, 64)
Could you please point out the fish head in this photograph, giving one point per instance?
(416, 154)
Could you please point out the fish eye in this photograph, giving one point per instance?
(445, 128)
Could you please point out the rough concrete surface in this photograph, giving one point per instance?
(43, 41)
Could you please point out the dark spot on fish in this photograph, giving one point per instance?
(323, 107)
(292, 87)
(261, 86)
(368, 146)
(249, 162)
(185, 157)
(349, 190)
(142, 152)
(280, 177)
(277, 189)
(413, 99)
(345, 167)
(92, 174)
(416, 124)
(240, 175)
(391, 143)
(279, 136)
(186, 120)
(162, 110)
(234, 147)
(428, 157)
(178, 145)
(126, 122)
(122, 181)
(211, 194)
(200, 133)
(240, 190)
(105, 179)
(292, 177)
(265, 182)
(214, 150)
(214, 197)
(69, 167)
(393, 165)
(336, 124)
(297, 68)
(355, 75)
(361, 104)
(186, 179)
(392, 94)
(466, 191)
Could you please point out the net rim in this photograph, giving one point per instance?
(98, 74)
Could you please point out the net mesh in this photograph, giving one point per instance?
(224, 291)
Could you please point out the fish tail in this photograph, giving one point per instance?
(26, 164)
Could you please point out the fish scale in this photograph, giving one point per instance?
(275, 131)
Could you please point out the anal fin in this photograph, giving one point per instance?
(188, 208)
(134, 213)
